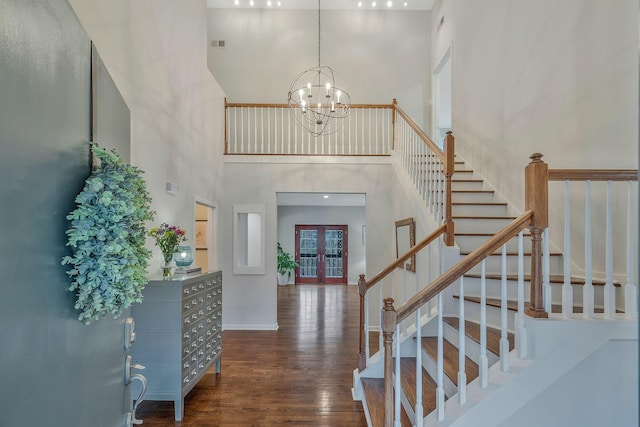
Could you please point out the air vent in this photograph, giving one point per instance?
(217, 43)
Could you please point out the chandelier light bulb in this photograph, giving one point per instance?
(301, 93)
(304, 106)
(328, 86)
(338, 93)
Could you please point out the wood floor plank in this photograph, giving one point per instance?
(298, 375)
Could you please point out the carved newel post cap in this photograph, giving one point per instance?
(449, 132)
(536, 158)
(388, 304)
(362, 277)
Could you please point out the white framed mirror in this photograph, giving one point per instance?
(248, 239)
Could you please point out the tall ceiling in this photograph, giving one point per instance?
(325, 4)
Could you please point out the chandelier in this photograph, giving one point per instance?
(316, 102)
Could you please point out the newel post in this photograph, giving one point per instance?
(389, 317)
(394, 105)
(362, 356)
(537, 200)
(449, 166)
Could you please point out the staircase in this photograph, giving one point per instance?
(478, 213)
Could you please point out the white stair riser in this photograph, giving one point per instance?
(431, 366)
(465, 185)
(472, 347)
(469, 242)
(479, 210)
(472, 197)
(472, 313)
(493, 264)
(494, 288)
(480, 225)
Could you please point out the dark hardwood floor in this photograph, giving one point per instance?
(298, 375)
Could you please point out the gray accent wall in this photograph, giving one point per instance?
(54, 370)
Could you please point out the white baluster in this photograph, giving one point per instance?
(404, 295)
(483, 360)
(462, 375)
(261, 130)
(241, 130)
(418, 410)
(366, 327)
(587, 290)
(380, 335)
(567, 289)
(397, 379)
(504, 342)
(440, 368)
(609, 290)
(521, 342)
(630, 291)
(546, 286)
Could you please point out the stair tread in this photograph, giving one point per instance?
(408, 381)
(499, 253)
(450, 359)
(553, 278)
(513, 305)
(493, 302)
(510, 218)
(472, 330)
(374, 395)
(472, 191)
(478, 204)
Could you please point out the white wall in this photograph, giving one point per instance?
(602, 390)
(379, 55)
(559, 78)
(155, 51)
(250, 301)
(352, 216)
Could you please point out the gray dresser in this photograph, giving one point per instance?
(178, 329)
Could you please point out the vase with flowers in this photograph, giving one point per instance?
(167, 238)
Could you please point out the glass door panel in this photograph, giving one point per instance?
(320, 251)
(308, 254)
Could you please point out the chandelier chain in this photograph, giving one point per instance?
(318, 33)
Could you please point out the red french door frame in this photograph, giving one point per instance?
(316, 265)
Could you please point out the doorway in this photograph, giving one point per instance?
(443, 98)
(321, 253)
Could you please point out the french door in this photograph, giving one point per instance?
(321, 251)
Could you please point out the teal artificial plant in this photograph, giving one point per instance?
(107, 234)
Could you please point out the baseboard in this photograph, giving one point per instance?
(245, 327)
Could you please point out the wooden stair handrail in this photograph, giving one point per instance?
(593, 175)
(405, 257)
(432, 145)
(280, 105)
(464, 265)
(364, 286)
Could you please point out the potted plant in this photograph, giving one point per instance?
(286, 265)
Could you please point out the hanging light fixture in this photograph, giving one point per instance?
(316, 102)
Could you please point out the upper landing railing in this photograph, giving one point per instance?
(269, 129)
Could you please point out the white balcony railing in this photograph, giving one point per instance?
(270, 129)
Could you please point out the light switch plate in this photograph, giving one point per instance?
(129, 332)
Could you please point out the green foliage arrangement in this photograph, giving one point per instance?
(286, 263)
(107, 234)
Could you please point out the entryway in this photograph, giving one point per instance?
(321, 252)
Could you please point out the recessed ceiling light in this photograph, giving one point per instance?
(251, 3)
(278, 3)
(269, 3)
(326, 196)
(359, 4)
(405, 4)
(373, 4)
(389, 3)
(237, 2)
